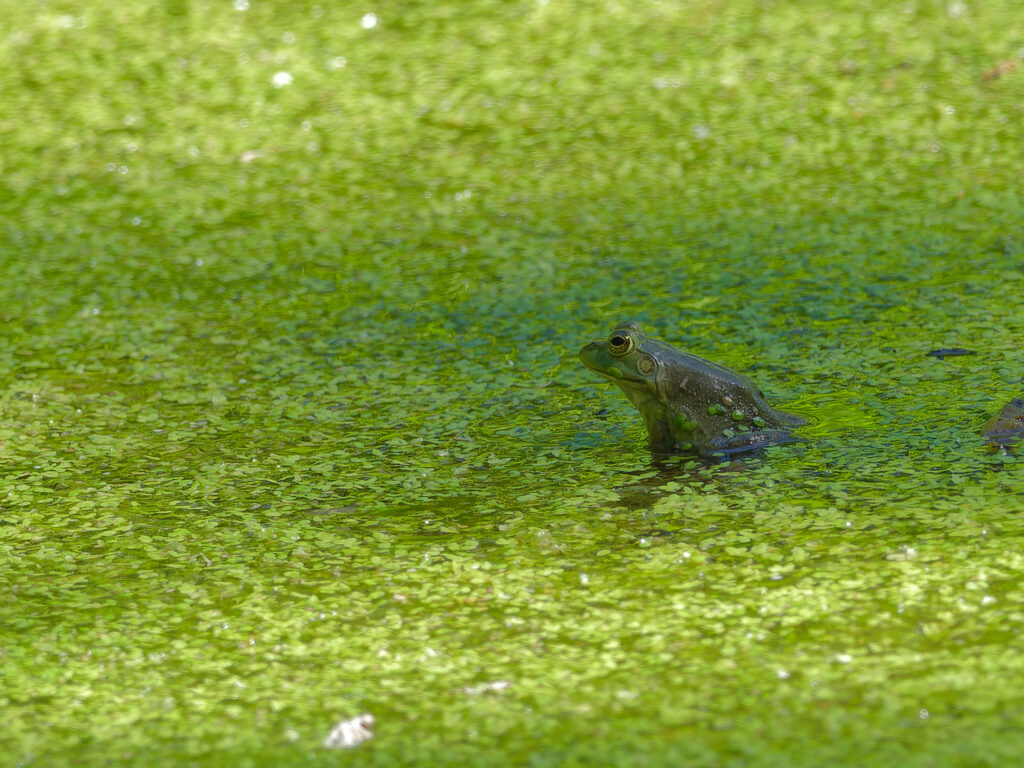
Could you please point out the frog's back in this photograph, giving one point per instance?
(709, 384)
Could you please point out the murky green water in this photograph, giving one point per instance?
(292, 425)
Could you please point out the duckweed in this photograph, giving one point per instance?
(293, 429)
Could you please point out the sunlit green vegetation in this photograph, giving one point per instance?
(292, 426)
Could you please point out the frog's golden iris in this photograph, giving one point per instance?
(620, 344)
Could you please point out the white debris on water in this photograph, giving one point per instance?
(497, 685)
(350, 733)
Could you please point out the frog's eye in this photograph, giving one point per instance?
(620, 344)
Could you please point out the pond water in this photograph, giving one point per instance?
(293, 427)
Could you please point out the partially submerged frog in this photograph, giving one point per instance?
(689, 404)
(1006, 428)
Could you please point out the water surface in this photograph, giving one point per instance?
(292, 425)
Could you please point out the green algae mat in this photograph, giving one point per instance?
(292, 425)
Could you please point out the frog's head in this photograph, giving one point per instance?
(628, 359)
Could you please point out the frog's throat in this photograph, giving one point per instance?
(639, 393)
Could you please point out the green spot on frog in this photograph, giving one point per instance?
(685, 424)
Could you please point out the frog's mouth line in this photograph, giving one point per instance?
(615, 379)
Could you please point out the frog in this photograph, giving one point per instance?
(1006, 428)
(688, 404)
